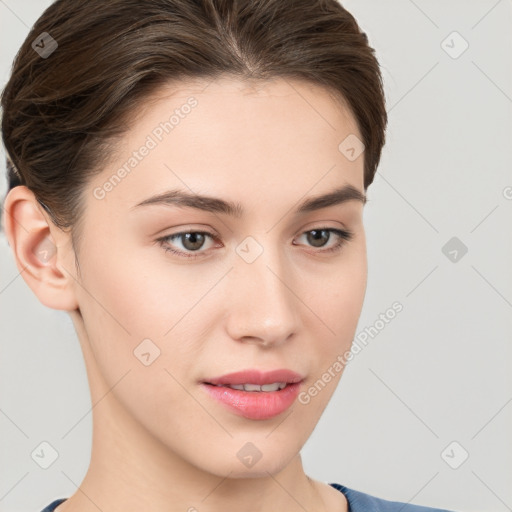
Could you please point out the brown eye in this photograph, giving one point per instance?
(191, 241)
(319, 237)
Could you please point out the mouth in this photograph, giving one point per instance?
(275, 386)
(255, 395)
(252, 378)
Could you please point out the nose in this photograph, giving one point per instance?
(263, 305)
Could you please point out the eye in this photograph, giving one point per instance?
(317, 237)
(193, 241)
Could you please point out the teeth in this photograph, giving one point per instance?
(255, 387)
(273, 387)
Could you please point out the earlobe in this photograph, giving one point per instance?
(41, 250)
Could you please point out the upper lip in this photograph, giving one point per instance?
(254, 376)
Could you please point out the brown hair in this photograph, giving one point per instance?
(62, 112)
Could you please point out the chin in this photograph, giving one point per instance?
(231, 463)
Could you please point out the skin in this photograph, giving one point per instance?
(159, 442)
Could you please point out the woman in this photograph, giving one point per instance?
(187, 179)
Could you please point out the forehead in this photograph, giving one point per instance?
(229, 102)
(328, 105)
(253, 139)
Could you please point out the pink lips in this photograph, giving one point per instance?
(256, 405)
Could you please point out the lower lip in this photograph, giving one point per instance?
(255, 405)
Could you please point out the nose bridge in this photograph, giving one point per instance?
(263, 305)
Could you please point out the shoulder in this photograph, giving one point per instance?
(361, 502)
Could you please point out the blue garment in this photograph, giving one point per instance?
(360, 502)
(357, 502)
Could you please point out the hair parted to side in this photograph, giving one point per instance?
(63, 114)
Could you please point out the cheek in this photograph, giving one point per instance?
(129, 296)
(337, 305)
(117, 307)
(337, 298)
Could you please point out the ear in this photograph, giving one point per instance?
(43, 252)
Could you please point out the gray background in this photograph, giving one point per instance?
(439, 372)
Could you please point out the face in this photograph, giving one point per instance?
(176, 296)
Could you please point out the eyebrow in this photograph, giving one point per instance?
(217, 205)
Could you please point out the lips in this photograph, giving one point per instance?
(258, 399)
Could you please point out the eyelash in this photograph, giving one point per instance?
(344, 237)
